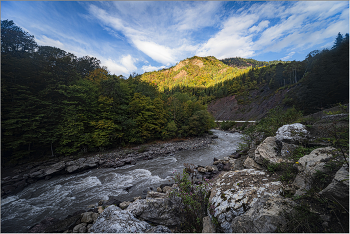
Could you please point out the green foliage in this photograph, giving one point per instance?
(194, 197)
(300, 152)
(54, 103)
(275, 119)
(302, 220)
(226, 125)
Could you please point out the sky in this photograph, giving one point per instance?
(136, 36)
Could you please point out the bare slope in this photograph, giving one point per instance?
(251, 107)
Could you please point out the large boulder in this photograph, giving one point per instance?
(265, 216)
(115, 220)
(338, 189)
(249, 163)
(269, 151)
(309, 165)
(166, 211)
(292, 133)
(235, 192)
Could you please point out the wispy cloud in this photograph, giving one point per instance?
(150, 68)
(288, 56)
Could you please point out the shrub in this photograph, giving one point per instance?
(194, 197)
(226, 125)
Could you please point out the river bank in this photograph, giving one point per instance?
(15, 179)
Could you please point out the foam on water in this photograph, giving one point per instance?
(63, 195)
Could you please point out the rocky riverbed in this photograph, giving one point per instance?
(14, 179)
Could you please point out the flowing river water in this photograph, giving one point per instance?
(63, 195)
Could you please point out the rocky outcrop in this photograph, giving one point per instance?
(309, 165)
(292, 133)
(235, 192)
(265, 216)
(268, 151)
(338, 189)
(115, 220)
(162, 211)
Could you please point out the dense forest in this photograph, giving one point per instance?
(54, 103)
(319, 81)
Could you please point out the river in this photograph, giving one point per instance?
(63, 195)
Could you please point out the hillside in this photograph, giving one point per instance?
(193, 72)
(245, 63)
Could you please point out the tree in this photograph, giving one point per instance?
(338, 41)
(14, 39)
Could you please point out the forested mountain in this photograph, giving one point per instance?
(54, 103)
(244, 63)
(193, 72)
(319, 81)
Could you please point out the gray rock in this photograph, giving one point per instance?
(159, 229)
(86, 217)
(202, 170)
(236, 191)
(208, 226)
(115, 220)
(55, 168)
(80, 228)
(124, 204)
(309, 165)
(265, 216)
(63, 225)
(166, 189)
(159, 211)
(88, 227)
(269, 151)
(152, 194)
(338, 189)
(292, 133)
(249, 163)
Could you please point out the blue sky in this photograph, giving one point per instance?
(135, 36)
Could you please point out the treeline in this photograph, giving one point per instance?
(326, 78)
(54, 103)
(319, 81)
(244, 63)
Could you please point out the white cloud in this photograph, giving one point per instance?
(198, 16)
(159, 53)
(150, 68)
(288, 56)
(231, 40)
(45, 41)
(124, 66)
(262, 25)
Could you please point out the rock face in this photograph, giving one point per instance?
(115, 220)
(267, 150)
(265, 216)
(237, 191)
(338, 189)
(249, 163)
(163, 211)
(309, 165)
(292, 133)
(208, 226)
